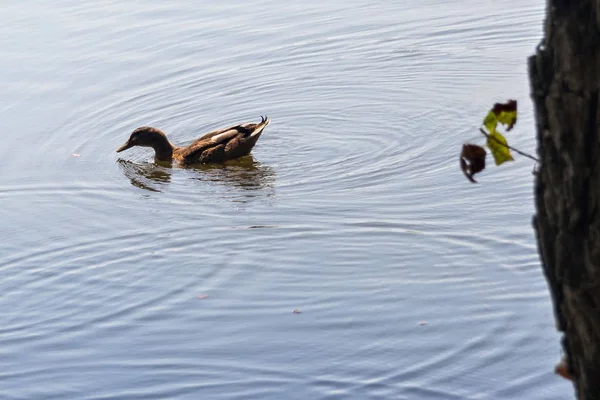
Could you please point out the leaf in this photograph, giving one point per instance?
(498, 146)
(562, 369)
(472, 160)
(506, 113)
(490, 121)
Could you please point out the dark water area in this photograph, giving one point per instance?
(122, 279)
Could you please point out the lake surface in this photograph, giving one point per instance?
(121, 279)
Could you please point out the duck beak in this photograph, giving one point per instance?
(126, 146)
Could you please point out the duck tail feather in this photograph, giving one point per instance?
(264, 121)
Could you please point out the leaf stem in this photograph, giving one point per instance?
(507, 146)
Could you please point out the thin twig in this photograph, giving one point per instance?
(507, 146)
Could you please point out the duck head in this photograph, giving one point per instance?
(147, 136)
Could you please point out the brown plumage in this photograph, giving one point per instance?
(214, 147)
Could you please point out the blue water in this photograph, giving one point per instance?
(122, 279)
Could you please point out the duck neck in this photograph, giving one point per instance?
(163, 149)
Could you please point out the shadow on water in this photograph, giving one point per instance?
(244, 173)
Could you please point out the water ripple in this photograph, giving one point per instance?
(125, 279)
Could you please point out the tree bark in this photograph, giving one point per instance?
(565, 77)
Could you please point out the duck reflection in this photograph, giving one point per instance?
(145, 175)
(243, 173)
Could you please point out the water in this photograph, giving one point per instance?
(120, 279)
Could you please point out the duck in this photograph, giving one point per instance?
(214, 147)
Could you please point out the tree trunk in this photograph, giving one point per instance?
(565, 77)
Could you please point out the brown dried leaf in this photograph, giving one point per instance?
(506, 113)
(472, 160)
(563, 370)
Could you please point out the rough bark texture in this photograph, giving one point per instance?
(565, 77)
